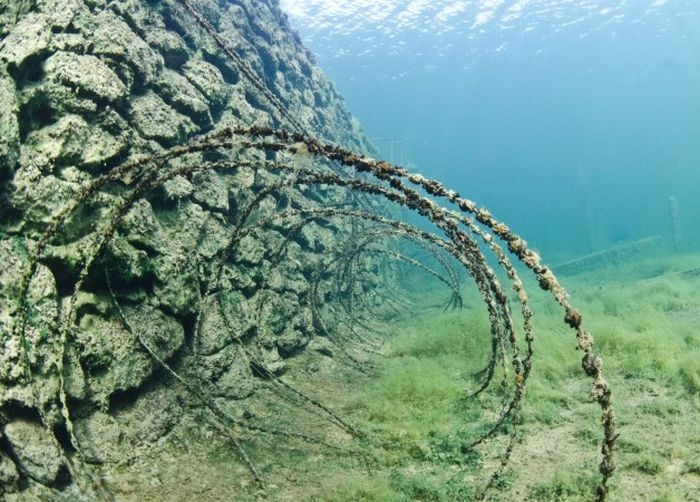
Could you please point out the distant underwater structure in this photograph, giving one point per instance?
(175, 205)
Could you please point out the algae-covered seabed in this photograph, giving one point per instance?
(412, 405)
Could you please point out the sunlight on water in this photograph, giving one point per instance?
(573, 120)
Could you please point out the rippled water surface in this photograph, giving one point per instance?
(573, 120)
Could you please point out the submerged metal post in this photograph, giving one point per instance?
(676, 229)
(587, 211)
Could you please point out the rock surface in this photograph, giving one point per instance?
(107, 328)
(36, 452)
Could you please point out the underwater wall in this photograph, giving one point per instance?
(102, 284)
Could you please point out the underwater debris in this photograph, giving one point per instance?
(456, 233)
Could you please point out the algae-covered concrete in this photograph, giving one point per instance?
(87, 86)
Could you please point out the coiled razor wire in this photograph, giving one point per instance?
(456, 227)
